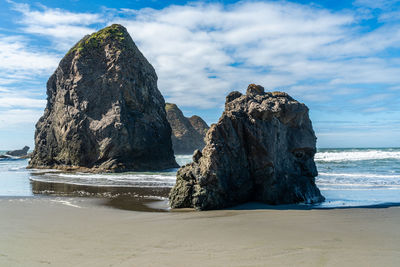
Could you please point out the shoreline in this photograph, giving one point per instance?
(360, 185)
(150, 203)
(81, 232)
(137, 198)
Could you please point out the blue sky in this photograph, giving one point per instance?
(340, 58)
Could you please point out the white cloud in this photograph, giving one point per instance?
(21, 102)
(195, 49)
(17, 57)
(331, 60)
(54, 16)
(372, 99)
(202, 51)
(374, 110)
(390, 16)
(63, 27)
(16, 117)
(376, 4)
(21, 63)
(12, 98)
(6, 80)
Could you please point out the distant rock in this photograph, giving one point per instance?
(19, 153)
(187, 133)
(262, 149)
(199, 125)
(104, 111)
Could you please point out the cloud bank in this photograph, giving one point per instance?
(334, 60)
(202, 51)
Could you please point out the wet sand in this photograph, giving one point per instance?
(126, 198)
(64, 189)
(84, 232)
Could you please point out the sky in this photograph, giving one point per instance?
(340, 58)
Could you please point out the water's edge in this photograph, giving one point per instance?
(347, 178)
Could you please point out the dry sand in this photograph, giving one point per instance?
(43, 232)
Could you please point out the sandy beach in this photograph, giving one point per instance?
(58, 232)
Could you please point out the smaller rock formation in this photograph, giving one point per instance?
(19, 153)
(187, 133)
(262, 149)
(199, 125)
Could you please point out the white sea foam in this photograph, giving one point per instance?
(183, 159)
(357, 181)
(358, 185)
(66, 203)
(166, 179)
(114, 176)
(131, 179)
(357, 155)
(360, 175)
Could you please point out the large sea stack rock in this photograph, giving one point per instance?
(262, 149)
(104, 111)
(187, 133)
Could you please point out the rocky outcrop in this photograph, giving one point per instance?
(19, 153)
(187, 133)
(262, 149)
(27, 156)
(104, 111)
(199, 125)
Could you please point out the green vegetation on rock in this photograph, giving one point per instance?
(94, 40)
(105, 80)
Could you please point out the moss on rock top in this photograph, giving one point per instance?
(114, 32)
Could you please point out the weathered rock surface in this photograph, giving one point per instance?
(19, 152)
(199, 125)
(27, 156)
(104, 111)
(187, 133)
(262, 149)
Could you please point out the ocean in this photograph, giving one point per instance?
(347, 178)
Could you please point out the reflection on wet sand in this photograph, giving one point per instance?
(127, 198)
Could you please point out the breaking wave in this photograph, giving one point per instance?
(357, 155)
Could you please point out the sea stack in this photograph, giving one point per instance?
(104, 111)
(262, 149)
(187, 133)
